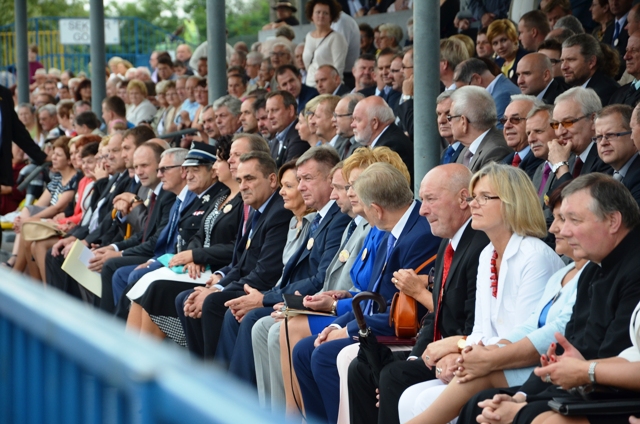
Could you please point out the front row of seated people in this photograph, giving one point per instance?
(245, 235)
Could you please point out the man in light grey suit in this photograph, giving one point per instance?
(473, 119)
(265, 335)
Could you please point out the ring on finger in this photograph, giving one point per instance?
(438, 370)
(426, 357)
(547, 379)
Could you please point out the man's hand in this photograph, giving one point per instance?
(96, 263)
(193, 304)
(487, 18)
(122, 206)
(567, 373)
(245, 304)
(559, 151)
(407, 86)
(500, 409)
(213, 280)
(319, 302)
(277, 312)
(330, 333)
(410, 283)
(56, 249)
(438, 350)
(446, 367)
(569, 351)
(143, 265)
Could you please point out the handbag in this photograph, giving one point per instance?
(573, 406)
(40, 230)
(403, 315)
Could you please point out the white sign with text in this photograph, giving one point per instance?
(78, 31)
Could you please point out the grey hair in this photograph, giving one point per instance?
(464, 70)
(589, 46)
(326, 156)
(570, 22)
(178, 154)
(384, 185)
(446, 94)
(528, 98)
(608, 196)
(587, 99)
(353, 98)
(540, 108)
(477, 105)
(161, 87)
(283, 44)
(393, 30)
(382, 112)
(49, 108)
(144, 70)
(230, 102)
(255, 57)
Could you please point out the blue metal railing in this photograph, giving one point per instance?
(138, 38)
(64, 362)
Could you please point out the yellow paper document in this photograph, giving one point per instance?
(77, 266)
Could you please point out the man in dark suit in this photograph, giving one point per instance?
(373, 126)
(473, 119)
(535, 78)
(11, 129)
(573, 117)
(616, 35)
(629, 94)
(607, 292)
(388, 200)
(328, 81)
(287, 145)
(582, 62)
(304, 272)
(443, 108)
(515, 134)
(342, 114)
(455, 312)
(289, 79)
(616, 146)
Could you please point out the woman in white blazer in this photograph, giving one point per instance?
(519, 351)
(513, 271)
(141, 108)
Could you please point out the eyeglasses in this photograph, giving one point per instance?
(342, 115)
(481, 199)
(567, 123)
(395, 71)
(407, 67)
(164, 169)
(450, 117)
(514, 120)
(609, 136)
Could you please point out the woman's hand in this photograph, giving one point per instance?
(319, 302)
(475, 362)
(181, 258)
(194, 270)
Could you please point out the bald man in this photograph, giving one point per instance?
(535, 78)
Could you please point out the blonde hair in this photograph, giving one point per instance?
(520, 207)
(363, 157)
(502, 26)
(468, 43)
(136, 83)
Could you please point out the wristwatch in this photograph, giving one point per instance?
(592, 372)
(462, 343)
(135, 199)
(555, 166)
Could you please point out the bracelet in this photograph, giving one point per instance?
(592, 372)
(334, 307)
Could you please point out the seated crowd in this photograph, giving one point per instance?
(297, 187)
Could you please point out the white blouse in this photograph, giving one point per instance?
(331, 51)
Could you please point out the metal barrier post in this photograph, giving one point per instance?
(98, 74)
(22, 50)
(216, 49)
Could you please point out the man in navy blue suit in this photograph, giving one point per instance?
(515, 134)
(305, 271)
(389, 205)
(289, 79)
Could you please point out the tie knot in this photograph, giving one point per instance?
(516, 160)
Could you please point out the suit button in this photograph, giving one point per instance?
(179, 229)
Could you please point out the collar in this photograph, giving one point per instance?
(473, 147)
(541, 94)
(309, 217)
(283, 134)
(264, 205)
(336, 90)
(493, 83)
(623, 171)
(183, 193)
(333, 141)
(358, 219)
(452, 86)
(455, 240)
(378, 91)
(586, 83)
(204, 191)
(636, 84)
(455, 145)
(524, 152)
(622, 21)
(399, 227)
(136, 178)
(373, 144)
(325, 209)
(157, 189)
(585, 153)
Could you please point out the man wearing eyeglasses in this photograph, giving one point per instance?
(535, 78)
(473, 119)
(572, 121)
(629, 94)
(616, 147)
(515, 134)
(346, 143)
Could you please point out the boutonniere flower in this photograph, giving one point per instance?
(205, 198)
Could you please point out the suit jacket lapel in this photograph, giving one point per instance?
(326, 220)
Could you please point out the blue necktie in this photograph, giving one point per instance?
(314, 225)
(448, 154)
(391, 241)
(173, 224)
(254, 222)
(616, 33)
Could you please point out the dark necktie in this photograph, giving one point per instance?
(254, 222)
(173, 223)
(152, 204)
(314, 225)
(616, 34)
(350, 230)
(448, 258)
(545, 178)
(516, 160)
(468, 156)
(448, 154)
(577, 168)
(391, 241)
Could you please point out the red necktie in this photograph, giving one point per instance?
(448, 257)
(577, 167)
(516, 160)
(245, 214)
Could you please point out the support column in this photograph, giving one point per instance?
(216, 49)
(22, 50)
(98, 53)
(426, 45)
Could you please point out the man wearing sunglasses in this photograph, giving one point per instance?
(515, 134)
(573, 122)
(616, 147)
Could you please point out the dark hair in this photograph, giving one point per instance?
(260, 103)
(155, 147)
(89, 119)
(236, 70)
(140, 134)
(334, 9)
(386, 52)
(287, 98)
(538, 20)
(551, 44)
(116, 105)
(291, 165)
(282, 69)
(366, 28)
(266, 163)
(367, 56)
(90, 149)
(50, 99)
(610, 63)
(165, 60)
(555, 198)
(223, 146)
(83, 84)
(63, 143)
(256, 142)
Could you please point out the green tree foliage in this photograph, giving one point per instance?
(161, 13)
(36, 8)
